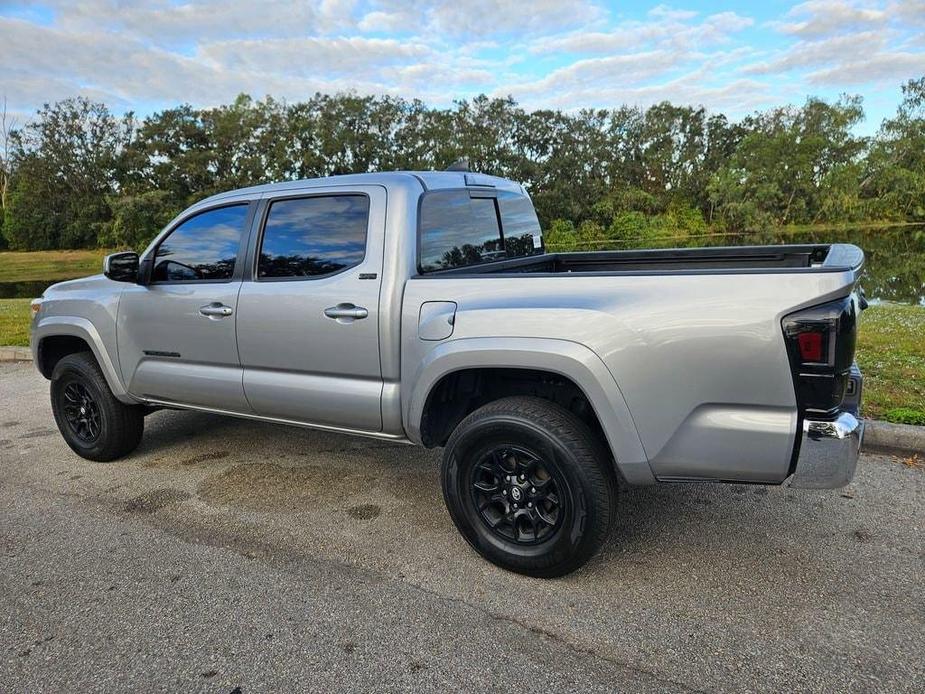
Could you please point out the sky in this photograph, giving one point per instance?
(733, 57)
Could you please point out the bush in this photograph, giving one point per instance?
(561, 237)
(591, 237)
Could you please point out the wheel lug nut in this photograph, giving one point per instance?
(504, 491)
(529, 504)
(533, 490)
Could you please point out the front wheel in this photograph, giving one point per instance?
(529, 486)
(92, 421)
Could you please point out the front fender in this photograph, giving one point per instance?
(75, 326)
(569, 359)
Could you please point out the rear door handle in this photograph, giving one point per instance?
(215, 310)
(346, 313)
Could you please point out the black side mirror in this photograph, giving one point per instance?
(121, 267)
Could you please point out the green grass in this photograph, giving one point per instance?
(49, 265)
(891, 353)
(14, 322)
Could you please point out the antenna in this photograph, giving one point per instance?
(461, 164)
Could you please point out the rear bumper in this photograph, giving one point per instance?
(829, 449)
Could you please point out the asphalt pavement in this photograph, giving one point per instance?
(227, 555)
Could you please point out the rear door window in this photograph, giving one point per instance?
(314, 237)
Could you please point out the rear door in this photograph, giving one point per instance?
(308, 315)
(176, 336)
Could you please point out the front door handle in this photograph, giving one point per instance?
(215, 310)
(346, 313)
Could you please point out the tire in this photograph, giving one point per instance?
(93, 423)
(551, 456)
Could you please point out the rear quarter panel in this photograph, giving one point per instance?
(699, 359)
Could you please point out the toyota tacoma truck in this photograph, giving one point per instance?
(423, 307)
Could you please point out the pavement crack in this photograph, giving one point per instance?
(543, 632)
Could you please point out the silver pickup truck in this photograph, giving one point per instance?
(422, 307)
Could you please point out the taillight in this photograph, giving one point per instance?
(811, 344)
(820, 343)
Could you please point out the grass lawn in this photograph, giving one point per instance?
(14, 322)
(49, 265)
(891, 353)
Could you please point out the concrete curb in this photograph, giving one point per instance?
(898, 438)
(878, 436)
(15, 354)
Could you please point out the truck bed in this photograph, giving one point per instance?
(732, 259)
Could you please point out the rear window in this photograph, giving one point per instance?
(459, 229)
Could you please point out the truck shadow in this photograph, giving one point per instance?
(257, 467)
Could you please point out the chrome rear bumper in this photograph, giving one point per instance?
(829, 449)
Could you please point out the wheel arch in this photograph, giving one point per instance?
(57, 336)
(574, 368)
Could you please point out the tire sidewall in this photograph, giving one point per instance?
(465, 449)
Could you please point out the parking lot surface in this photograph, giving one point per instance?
(227, 554)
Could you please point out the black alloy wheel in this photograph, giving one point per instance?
(81, 412)
(518, 495)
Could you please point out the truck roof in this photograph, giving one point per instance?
(428, 180)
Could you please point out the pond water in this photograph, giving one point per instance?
(895, 269)
(25, 290)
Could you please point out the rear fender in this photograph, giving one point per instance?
(565, 358)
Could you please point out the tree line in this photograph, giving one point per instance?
(77, 175)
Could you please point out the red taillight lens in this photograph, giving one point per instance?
(811, 344)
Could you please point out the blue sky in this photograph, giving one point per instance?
(732, 57)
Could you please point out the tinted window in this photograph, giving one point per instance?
(203, 247)
(457, 230)
(308, 237)
(522, 234)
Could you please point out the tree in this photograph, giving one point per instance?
(7, 127)
(895, 177)
(64, 165)
(786, 162)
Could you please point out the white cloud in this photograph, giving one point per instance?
(888, 67)
(302, 56)
(814, 53)
(547, 53)
(846, 43)
(663, 27)
(479, 18)
(818, 18)
(165, 22)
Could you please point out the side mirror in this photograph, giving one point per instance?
(121, 267)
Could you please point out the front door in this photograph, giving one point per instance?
(308, 321)
(176, 336)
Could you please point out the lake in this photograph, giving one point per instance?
(895, 269)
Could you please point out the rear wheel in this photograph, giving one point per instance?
(92, 421)
(529, 486)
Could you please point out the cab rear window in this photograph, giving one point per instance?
(462, 227)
